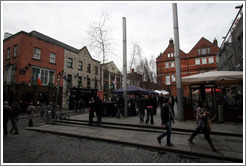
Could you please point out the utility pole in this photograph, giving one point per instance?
(124, 66)
(177, 61)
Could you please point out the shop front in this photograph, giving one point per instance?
(223, 93)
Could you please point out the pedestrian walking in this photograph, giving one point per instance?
(141, 107)
(7, 111)
(132, 106)
(98, 109)
(31, 110)
(202, 117)
(167, 120)
(42, 112)
(150, 112)
(91, 111)
(14, 118)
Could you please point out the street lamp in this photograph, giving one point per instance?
(58, 81)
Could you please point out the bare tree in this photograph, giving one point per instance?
(100, 39)
(142, 65)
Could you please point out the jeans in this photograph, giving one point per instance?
(150, 114)
(141, 114)
(167, 133)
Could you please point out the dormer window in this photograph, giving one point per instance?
(204, 51)
(169, 55)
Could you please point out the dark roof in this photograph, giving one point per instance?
(53, 41)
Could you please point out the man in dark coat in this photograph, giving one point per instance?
(98, 109)
(150, 112)
(7, 111)
(167, 119)
(141, 107)
(14, 118)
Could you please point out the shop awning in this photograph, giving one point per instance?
(214, 76)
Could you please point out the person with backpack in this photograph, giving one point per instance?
(14, 118)
(31, 110)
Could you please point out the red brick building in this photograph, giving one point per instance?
(24, 56)
(201, 58)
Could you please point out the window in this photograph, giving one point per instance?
(172, 64)
(37, 53)
(204, 51)
(52, 58)
(95, 83)
(208, 50)
(211, 60)
(88, 82)
(199, 51)
(89, 68)
(167, 80)
(80, 65)
(69, 78)
(44, 76)
(167, 64)
(204, 60)
(169, 55)
(51, 77)
(173, 78)
(198, 61)
(15, 50)
(10, 74)
(79, 81)
(8, 53)
(96, 70)
(47, 76)
(70, 63)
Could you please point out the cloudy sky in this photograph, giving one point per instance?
(150, 24)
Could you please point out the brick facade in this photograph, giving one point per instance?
(201, 58)
(23, 55)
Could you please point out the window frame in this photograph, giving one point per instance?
(196, 60)
(210, 59)
(52, 58)
(203, 61)
(15, 51)
(168, 78)
(37, 55)
(80, 65)
(70, 63)
(167, 65)
(8, 53)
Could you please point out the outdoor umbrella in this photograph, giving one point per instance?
(131, 89)
(214, 76)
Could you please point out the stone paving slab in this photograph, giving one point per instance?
(146, 139)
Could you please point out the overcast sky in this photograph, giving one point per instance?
(150, 24)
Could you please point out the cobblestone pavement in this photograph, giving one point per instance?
(37, 147)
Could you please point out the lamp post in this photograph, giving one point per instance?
(58, 82)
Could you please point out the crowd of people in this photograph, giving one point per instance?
(144, 106)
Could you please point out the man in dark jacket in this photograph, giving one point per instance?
(98, 109)
(167, 119)
(14, 118)
(7, 111)
(150, 112)
(141, 107)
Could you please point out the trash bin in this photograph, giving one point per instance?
(220, 113)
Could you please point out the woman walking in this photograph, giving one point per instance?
(201, 118)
